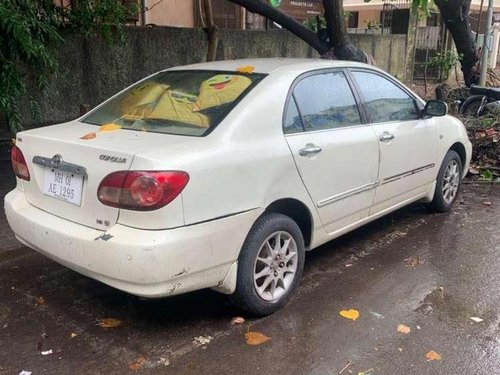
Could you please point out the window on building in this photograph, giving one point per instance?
(352, 21)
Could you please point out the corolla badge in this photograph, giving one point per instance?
(113, 159)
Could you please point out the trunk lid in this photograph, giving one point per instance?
(86, 162)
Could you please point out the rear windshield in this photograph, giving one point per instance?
(184, 102)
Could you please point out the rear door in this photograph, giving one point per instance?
(407, 141)
(336, 154)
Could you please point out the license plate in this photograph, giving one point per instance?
(63, 185)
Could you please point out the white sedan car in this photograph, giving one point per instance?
(221, 175)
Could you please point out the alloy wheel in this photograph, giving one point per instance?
(451, 182)
(275, 266)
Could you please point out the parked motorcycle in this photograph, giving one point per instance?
(482, 100)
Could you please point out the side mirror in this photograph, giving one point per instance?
(435, 108)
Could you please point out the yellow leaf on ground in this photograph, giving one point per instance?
(88, 136)
(403, 329)
(73, 335)
(256, 338)
(134, 366)
(349, 314)
(40, 300)
(110, 323)
(109, 127)
(433, 356)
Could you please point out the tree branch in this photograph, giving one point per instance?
(289, 23)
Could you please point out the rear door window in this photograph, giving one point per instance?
(326, 101)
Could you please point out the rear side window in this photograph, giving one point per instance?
(326, 102)
(184, 102)
(293, 123)
(384, 100)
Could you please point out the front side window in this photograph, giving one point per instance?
(326, 101)
(176, 102)
(385, 101)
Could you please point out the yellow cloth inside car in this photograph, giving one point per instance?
(221, 89)
(158, 101)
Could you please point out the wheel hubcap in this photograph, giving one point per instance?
(451, 182)
(275, 266)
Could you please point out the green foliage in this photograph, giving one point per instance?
(312, 24)
(371, 25)
(29, 29)
(421, 7)
(445, 61)
(486, 175)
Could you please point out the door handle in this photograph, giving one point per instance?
(386, 136)
(310, 149)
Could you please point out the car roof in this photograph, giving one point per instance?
(271, 65)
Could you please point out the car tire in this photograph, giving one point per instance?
(262, 264)
(447, 183)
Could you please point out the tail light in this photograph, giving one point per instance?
(19, 164)
(141, 190)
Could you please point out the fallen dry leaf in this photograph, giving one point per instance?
(349, 314)
(73, 335)
(109, 127)
(433, 356)
(403, 329)
(89, 136)
(256, 338)
(237, 320)
(134, 366)
(202, 340)
(246, 69)
(110, 323)
(476, 319)
(487, 203)
(40, 300)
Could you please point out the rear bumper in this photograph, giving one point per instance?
(148, 263)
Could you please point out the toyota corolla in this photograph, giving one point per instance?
(222, 175)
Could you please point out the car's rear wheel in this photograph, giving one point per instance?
(448, 183)
(270, 265)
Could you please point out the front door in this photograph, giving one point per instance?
(407, 142)
(335, 153)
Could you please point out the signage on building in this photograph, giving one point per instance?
(301, 10)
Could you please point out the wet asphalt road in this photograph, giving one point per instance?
(430, 272)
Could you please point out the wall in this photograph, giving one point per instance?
(170, 12)
(368, 15)
(92, 70)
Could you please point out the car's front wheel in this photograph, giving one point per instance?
(447, 183)
(270, 265)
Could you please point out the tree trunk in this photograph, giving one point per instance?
(456, 18)
(337, 32)
(213, 31)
